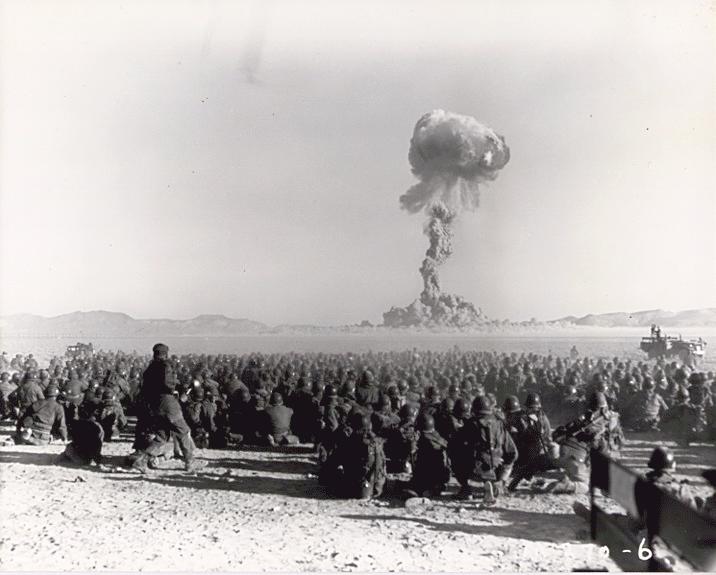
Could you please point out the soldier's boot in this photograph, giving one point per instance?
(140, 463)
(464, 493)
(564, 486)
(193, 465)
(489, 498)
(514, 484)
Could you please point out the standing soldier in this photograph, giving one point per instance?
(164, 415)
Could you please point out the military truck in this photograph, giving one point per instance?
(661, 346)
(79, 350)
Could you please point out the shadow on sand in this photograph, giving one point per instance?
(54, 459)
(258, 485)
(521, 525)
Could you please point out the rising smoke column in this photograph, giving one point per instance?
(451, 155)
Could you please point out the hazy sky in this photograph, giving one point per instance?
(168, 159)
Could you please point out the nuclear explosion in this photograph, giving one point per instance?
(451, 155)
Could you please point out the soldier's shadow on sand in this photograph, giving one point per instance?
(291, 466)
(520, 525)
(54, 459)
(259, 485)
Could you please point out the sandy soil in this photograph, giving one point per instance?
(261, 511)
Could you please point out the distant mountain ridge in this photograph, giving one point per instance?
(693, 317)
(113, 324)
(106, 323)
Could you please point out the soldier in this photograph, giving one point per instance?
(7, 391)
(28, 393)
(305, 412)
(356, 468)
(662, 465)
(596, 429)
(110, 415)
(646, 407)
(685, 420)
(367, 393)
(240, 412)
(534, 443)
(87, 437)
(73, 395)
(482, 450)
(432, 467)
(277, 427)
(385, 420)
(330, 418)
(42, 420)
(460, 414)
(198, 418)
(402, 443)
(163, 412)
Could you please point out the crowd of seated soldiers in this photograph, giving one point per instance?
(401, 398)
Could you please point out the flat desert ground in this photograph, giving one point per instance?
(249, 510)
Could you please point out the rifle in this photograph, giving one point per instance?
(575, 427)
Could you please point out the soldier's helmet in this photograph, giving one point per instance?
(197, 393)
(697, 378)
(461, 409)
(407, 412)
(661, 458)
(160, 350)
(511, 404)
(330, 391)
(533, 401)
(680, 375)
(597, 401)
(482, 405)
(425, 422)
(52, 391)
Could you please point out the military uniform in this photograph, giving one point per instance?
(482, 450)
(277, 425)
(86, 445)
(432, 466)
(645, 410)
(44, 418)
(533, 440)
(357, 467)
(668, 483)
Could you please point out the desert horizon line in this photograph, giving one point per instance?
(365, 322)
